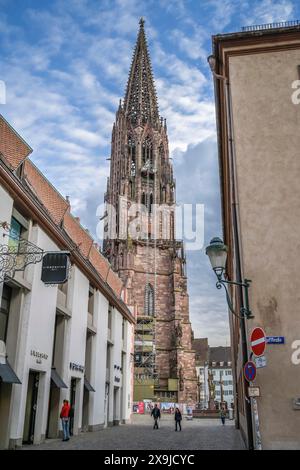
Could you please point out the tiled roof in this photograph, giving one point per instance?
(220, 354)
(12, 147)
(115, 282)
(54, 203)
(99, 262)
(77, 233)
(200, 345)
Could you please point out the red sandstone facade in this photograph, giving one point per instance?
(152, 267)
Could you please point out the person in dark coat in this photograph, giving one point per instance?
(223, 415)
(156, 415)
(178, 419)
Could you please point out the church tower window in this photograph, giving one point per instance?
(149, 300)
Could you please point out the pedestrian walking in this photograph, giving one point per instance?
(178, 418)
(156, 415)
(223, 415)
(64, 416)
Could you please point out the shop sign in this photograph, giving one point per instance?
(39, 356)
(76, 367)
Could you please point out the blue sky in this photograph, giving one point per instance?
(65, 65)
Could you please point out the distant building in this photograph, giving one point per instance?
(221, 367)
(200, 345)
(215, 360)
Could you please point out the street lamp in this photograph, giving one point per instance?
(212, 62)
(217, 253)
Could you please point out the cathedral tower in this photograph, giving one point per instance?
(139, 240)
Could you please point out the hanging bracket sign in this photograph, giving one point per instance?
(55, 267)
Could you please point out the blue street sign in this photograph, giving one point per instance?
(275, 340)
(250, 371)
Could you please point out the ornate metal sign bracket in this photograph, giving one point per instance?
(17, 253)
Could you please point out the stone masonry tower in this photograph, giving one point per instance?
(141, 194)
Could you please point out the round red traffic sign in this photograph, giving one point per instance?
(258, 341)
(250, 371)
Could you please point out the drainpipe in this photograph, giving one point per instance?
(237, 240)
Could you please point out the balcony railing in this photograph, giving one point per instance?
(266, 26)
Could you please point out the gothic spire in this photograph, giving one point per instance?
(140, 102)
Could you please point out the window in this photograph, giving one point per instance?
(15, 233)
(147, 201)
(149, 300)
(123, 329)
(147, 151)
(91, 300)
(131, 155)
(109, 317)
(4, 311)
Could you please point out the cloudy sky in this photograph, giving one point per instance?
(65, 65)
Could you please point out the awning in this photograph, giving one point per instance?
(56, 380)
(7, 375)
(88, 386)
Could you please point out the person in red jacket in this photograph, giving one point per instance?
(65, 417)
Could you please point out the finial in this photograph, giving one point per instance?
(142, 22)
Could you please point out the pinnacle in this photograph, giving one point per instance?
(140, 79)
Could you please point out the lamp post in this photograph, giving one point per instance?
(217, 253)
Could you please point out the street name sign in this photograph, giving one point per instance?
(250, 371)
(258, 341)
(275, 340)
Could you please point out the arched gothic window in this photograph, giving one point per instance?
(149, 300)
(147, 201)
(147, 151)
(161, 153)
(150, 203)
(132, 155)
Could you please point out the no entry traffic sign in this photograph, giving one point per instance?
(250, 371)
(258, 341)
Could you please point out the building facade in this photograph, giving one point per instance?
(257, 103)
(214, 372)
(68, 341)
(220, 366)
(201, 347)
(140, 240)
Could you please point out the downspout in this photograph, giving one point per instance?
(237, 247)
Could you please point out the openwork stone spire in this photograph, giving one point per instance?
(140, 100)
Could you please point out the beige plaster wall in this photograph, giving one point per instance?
(267, 146)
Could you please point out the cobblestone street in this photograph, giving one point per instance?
(206, 434)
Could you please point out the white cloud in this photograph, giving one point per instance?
(63, 91)
(269, 11)
(191, 46)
